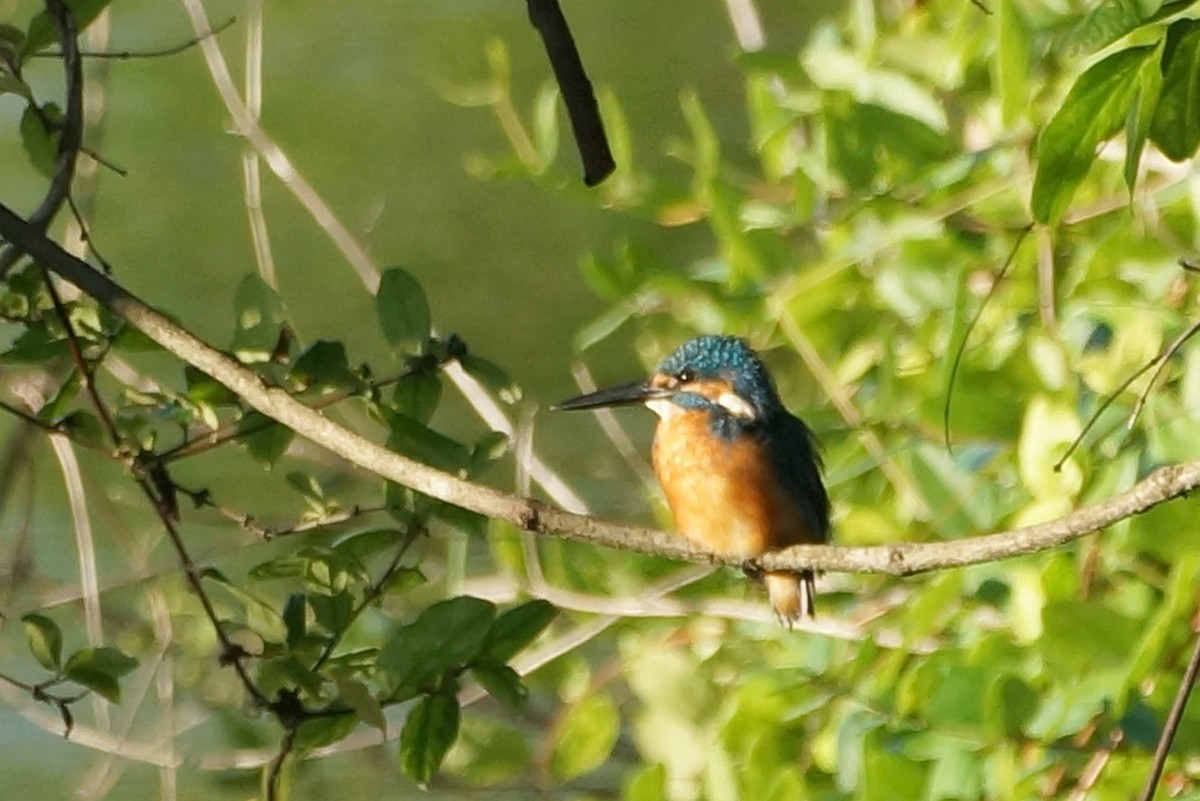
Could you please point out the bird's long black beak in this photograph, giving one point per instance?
(637, 392)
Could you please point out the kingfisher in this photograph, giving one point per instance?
(741, 474)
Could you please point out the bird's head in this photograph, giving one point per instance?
(715, 373)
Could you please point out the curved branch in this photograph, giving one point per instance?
(898, 559)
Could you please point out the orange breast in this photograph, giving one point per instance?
(723, 494)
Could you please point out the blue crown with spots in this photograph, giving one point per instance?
(728, 358)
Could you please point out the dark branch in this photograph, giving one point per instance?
(71, 133)
(580, 100)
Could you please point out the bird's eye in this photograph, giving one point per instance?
(685, 376)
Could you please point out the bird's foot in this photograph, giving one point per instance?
(752, 569)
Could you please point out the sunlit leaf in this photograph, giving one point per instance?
(586, 736)
(203, 388)
(1093, 111)
(45, 640)
(99, 669)
(259, 320)
(1010, 63)
(359, 698)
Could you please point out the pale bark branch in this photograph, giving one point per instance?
(899, 559)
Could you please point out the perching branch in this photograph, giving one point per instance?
(899, 559)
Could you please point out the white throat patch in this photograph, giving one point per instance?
(663, 408)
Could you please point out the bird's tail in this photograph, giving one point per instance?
(792, 595)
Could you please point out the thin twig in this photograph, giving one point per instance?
(1095, 418)
(997, 280)
(231, 653)
(1173, 719)
(124, 55)
(275, 772)
(1162, 360)
(370, 596)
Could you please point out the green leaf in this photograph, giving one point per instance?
(586, 737)
(422, 443)
(323, 731)
(99, 669)
(403, 309)
(1107, 22)
(649, 783)
(501, 681)
(1086, 636)
(958, 696)
(56, 406)
(265, 440)
(1176, 125)
(259, 322)
(35, 345)
(1093, 111)
(446, 636)
(545, 122)
(1141, 115)
(363, 545)
(491, 376)
(324, 365)
(11, 42)
(516, 628)
(603, 326)
(43, 31)
(84, 428)
(429, 731)
(41, 142)
(359, 698)
(417, 395)
(295, 618)
(488, 449)
(1010, 63)
(203, 388)
(45, 640)
(333, 612)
